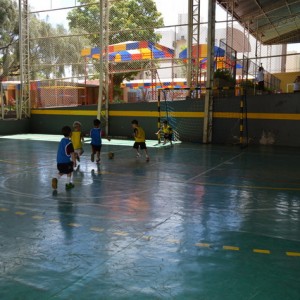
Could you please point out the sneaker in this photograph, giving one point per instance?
(92, 157)
(54, 183)
(69, 186)
(147, 158)
(98, 161)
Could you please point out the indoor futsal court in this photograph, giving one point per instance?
(196, 222)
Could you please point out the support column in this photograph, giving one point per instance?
(189, 43)
(24, 100)
(208, 106)
(103, 97)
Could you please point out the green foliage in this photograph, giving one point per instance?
(129, 20)
(52, 48)
(247, 83)
(224, 74)
(8, 22)
(8, 37)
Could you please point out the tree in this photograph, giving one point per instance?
(53, 49)
(129, 20)
(8, 37)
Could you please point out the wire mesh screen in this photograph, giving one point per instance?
(58, 70)
(183, 112)
(146, 50)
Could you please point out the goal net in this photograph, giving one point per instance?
(182, 108)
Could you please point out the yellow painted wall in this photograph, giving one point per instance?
(287, 80)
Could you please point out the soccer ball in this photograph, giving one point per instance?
(111, 155)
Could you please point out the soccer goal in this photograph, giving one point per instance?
(183, 110)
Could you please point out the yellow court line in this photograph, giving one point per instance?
(262, 251)
(203, 245)
(178, 114)
(54, 221)
(120, 233)
(173, 241)
(247, 186)
(135, 113)
(64, 112)
(148, 238)
(74, 225)
(20, 213)
(232, 248)
(37, 217)
(293, 253)
(258, 116)
(97, 229)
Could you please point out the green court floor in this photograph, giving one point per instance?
(196, 222)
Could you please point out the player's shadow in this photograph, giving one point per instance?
(67, 213)
(96, 173)
(78, 173)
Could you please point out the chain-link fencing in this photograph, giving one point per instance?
(141, 53)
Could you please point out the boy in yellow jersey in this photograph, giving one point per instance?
(140, 139)
(77, 139)
(167, 132)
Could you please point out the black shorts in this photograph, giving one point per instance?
(66, 168)
(96, 148)
(168, 136)
(261, 85)
(141, 145)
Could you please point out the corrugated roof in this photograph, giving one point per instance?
(270, 21)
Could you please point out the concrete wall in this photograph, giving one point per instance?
(287, 80)
(50, 121)
(8, 127)
(190, 129)
(272, 119)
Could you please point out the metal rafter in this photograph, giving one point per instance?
(281, 21)
(286, 38)
(266, 16)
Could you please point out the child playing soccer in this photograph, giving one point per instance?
(77, 139)
(66, 158)
(167, 132)
(96, 141)
(140, 140)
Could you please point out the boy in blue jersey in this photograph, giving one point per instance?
(66, 159)
(96, 140)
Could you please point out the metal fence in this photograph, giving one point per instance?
(142, 53)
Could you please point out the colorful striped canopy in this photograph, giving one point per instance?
(202, 52)
(131, 51)
(157, 85)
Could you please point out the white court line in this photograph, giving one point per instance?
(211, 169)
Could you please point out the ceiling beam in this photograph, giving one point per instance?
(267, 8)
(280, 21)
(288, 38)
